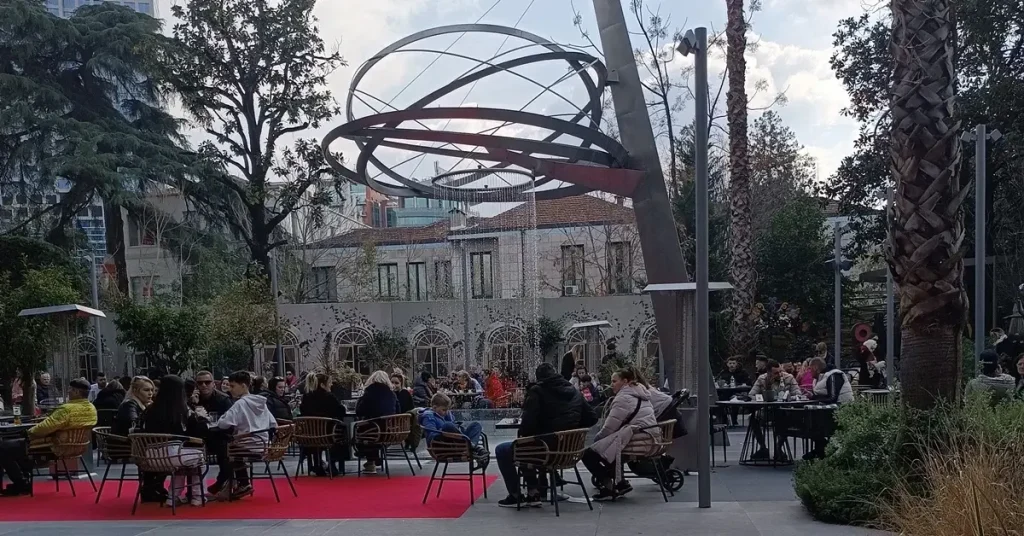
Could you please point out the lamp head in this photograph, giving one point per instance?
(687, 44)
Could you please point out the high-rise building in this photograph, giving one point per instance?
(64, 8)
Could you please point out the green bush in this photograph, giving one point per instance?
(879, 448)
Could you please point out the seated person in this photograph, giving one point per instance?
(76, 413)
(276, 389)
(588, 389)
(831, 386)
(439, 418)
(378, 400)
(139, 396)
(319, 402)
(249, 413)
(214, 401)
(170, 414)
(991, 382)
(779, 382)
(552, 404)
(629, 410)
(465, 382)
(494, 390)
(872, 373)
(424, 388)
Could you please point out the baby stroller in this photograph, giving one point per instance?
(646, 468)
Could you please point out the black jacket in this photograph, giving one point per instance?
(554, 405)
(218, 403)
(422, 393)
(378, 400)
(320, 403)
(405, 403)
(278, 406)
(109, 399)
(740, 376)
(195, 426)
(127, 417)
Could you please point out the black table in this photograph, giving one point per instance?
(768, 416)
(508, 424)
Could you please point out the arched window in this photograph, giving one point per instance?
(507, 351)
(650, 349)
(88, 359)
(290, 349)
(590, 344)
(351, 345)
(433, 350)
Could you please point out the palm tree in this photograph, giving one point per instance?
(926, 229)
(741, 263)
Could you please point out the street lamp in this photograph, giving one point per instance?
(839, 264)
(696, 42)
(980, 137)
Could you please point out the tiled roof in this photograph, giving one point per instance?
(565, 212)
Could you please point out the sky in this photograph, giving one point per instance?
(794, 43)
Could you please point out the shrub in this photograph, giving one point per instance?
(889, 466)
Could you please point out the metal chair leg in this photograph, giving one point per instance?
(120, 482)
(554, 491)
(87, 473)
(430, 483)
(138, 493)
(284, 468)
(408, 460)
(440, 483)
(659, 471)
(273, 485)
(102, 483)
(67, 473)
(586, 495)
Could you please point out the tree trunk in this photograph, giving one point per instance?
(114, 227)
(741, 262)
(925, 245)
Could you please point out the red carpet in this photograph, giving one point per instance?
(319, 498)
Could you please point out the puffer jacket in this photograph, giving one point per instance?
(74, 414)
(619, 429)
(554, 405)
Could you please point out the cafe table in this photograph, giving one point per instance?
(768, 415)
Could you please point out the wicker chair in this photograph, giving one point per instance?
(561, 451)
(448, 448)
(381, 433)
(645, 445)
(151, 454)
(317, 434)
(64, 446)
(112, 449)
(252, 448)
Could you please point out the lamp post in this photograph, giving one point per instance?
(838, 265)
(980, 137)
(91, 259)
(696, 42)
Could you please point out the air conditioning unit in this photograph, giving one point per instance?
(570, 290)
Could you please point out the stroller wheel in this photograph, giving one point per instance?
(673, 480)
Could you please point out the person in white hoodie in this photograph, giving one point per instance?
(248, 414)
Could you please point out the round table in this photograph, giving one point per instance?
(764, 415)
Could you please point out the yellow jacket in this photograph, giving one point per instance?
(74, 414)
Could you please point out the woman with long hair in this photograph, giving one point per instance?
(319, 402)
(378, 400)
(139, 396)
(169, 414)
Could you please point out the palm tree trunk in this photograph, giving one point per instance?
(925, 246)
(741, 263)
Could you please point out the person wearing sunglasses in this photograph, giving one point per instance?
(215, 402)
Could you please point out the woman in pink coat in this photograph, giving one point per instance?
(630, 411)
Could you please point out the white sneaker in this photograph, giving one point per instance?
(370, 468)
(172, 501)
(196, 501)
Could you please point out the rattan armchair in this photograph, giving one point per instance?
(151, 453)
(448, 448)
(551, 453)
(252, 448)
(318, 434)
(381, 433)
(60, 448)
(650, 444)
(112, 449)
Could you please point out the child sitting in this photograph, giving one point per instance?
(439, 418)
(587, 388)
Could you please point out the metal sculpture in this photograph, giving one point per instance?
(595, 162)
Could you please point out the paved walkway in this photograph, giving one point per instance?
(747, 501)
